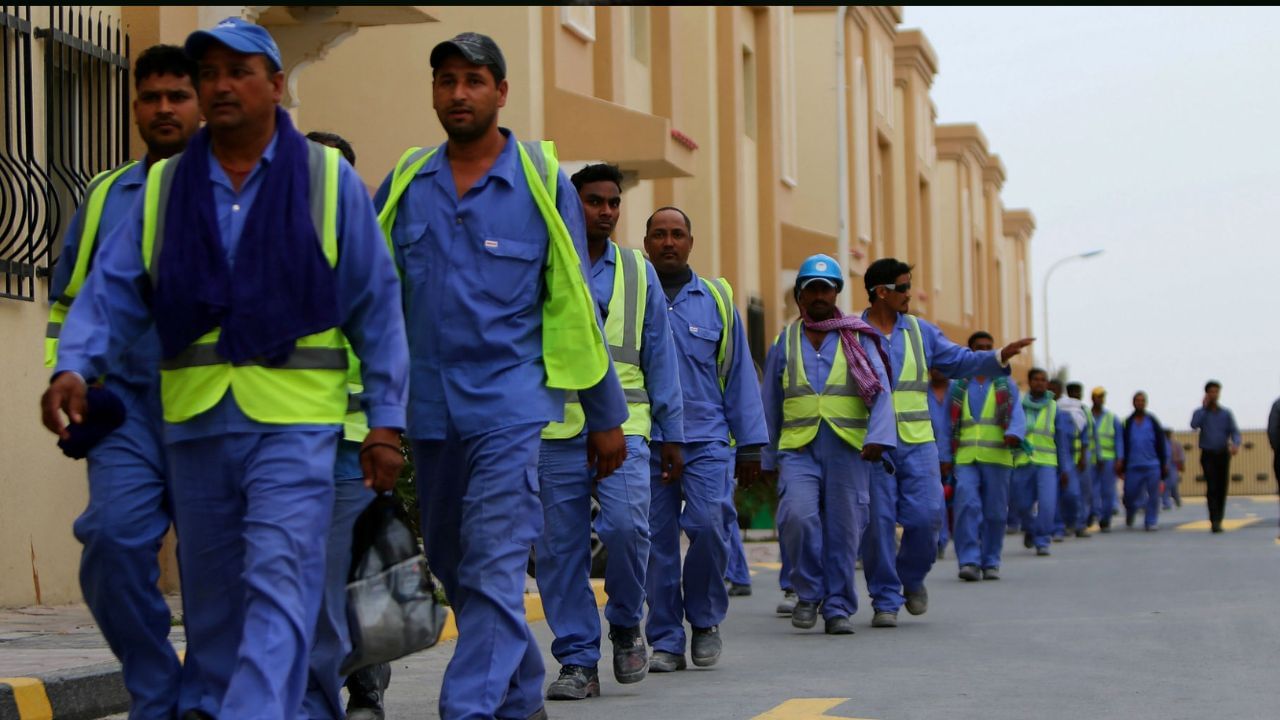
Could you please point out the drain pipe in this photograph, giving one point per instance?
(843, 255)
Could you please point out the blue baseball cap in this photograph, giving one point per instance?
(237, 34)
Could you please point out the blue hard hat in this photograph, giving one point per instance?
(820, 267)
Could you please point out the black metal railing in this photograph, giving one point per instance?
(86, 131)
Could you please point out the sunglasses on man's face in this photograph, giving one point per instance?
(900, 287)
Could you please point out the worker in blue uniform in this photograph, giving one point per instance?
(128, 512)
(939, 410)
(1146, 464)
(488, 232)
(721, 400)
(253, 365)
(830, 415)
(627, 291)
(1072, 512)
(912, 496)
(985, 424)
(1108, 439)
(1042, 471)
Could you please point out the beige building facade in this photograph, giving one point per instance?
(780, 131)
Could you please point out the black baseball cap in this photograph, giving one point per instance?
(476, 49)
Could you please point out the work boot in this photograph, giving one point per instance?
(1058, 538)
(1104, 527)
(1216, 528)
(1152, 528)
(840, 625)
(942, 553)
(739, 590)
(788, 603)
(705, 646)
(805, 615)
(1042, 552)
(1028, 541)
(630, 660)
(917, 601)
(884, 619)
(575, 683)
(991, 573)
(1089, 521)
(196, 715)
(664, 662)
(1128, 519)
(365, 688)
(539, 714)
(1083, 533)
(969, 573)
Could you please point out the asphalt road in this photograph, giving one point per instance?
(1171, 624)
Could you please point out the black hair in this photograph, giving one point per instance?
(688, 224)
(1143, 393)
(884, 271)
(1212, 384)
(1073, 385)
(600, 172)
(1034, 371)
(334, 140)
(164, 60)
(980, 335)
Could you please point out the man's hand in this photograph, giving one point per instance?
(1080, 464)
(1011, 441)
(66, 394)
(1063, 479)
(1233, 448)
(873, 453)
(747, 472)
(1014, 348)
(606, 449)
(381, 459)
(1164, 474)
(944, 468)
(672, 460)
(1120, 469)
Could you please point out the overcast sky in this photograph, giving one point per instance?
(1151, 133)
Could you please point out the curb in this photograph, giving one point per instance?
(96, 691)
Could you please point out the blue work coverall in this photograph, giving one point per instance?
(1143, 467)
(1038, 484)
(563, 551)
(981, 501)
(824, 488)
(478, 401)
(129, 510)
(252, 501)
(912, 496)
(697, 593)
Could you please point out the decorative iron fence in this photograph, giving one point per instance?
(45, 166)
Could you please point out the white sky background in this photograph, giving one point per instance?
(1153, 133)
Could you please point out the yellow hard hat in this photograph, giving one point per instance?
(1098, 391)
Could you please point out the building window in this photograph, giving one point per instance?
(579, 20)
(787, 60)
(640, 34)
(749, 92)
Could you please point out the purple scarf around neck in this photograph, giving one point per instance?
(848, 326)
(281, 287)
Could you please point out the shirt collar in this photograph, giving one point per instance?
(217, 174)
(504, 168)
(136, 175)
(610, 256)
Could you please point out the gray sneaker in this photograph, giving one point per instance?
(805, 615)
(705, 646)
(970, 573)
(991, 573)
(841, 625)
(884, 619)
(575, 683)
(664, 662)
(918, 601)
(788, 603)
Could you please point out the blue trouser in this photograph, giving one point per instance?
(824, 498)
(1038, 487)
(981, 508)
(1171, 492)
(1087, 508)
(564, 550)
(944, 531)
(1142, 489)
(1013, 520)
(912, 497)
(252, 512)
(784, 572)
(1104, 491)
(1070, 513)
(696, 593)
(121, 530)
(333, 641)
(480, 517)
(737, 571)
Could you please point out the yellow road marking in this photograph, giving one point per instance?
(768, 565)
(806, 709)
(1227, 525)
(533, 610)
(30, 697)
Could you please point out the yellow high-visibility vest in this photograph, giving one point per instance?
(803, 409)
(1040, 433)
(910, 395)
(1105, 432)
(982, 439)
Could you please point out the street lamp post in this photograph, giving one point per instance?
(1048, 359)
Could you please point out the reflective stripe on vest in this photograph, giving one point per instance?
(982, 440)
(355, 426)
(910, 401)
(723, 294)
(624, 331)
(1077, 445)
(573, 351)
(91, 219)
(1105, 432)
(803, 408)
(309, 387)
(1040, 433)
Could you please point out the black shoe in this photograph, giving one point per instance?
(365, 688)
(1028, 542)
(917, 601)
(970, 573)
(805, 615)
(539, 714)
(665, 662)
(1216, 528)
(1089, 522)
(1104, 528)
(630, 660)
(788, 603)
(840, 625)
(739, 590)
(991, 573)
(575, 683)
(705, 646)
(1083, 533)
(1128, 520)
(196, 715)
